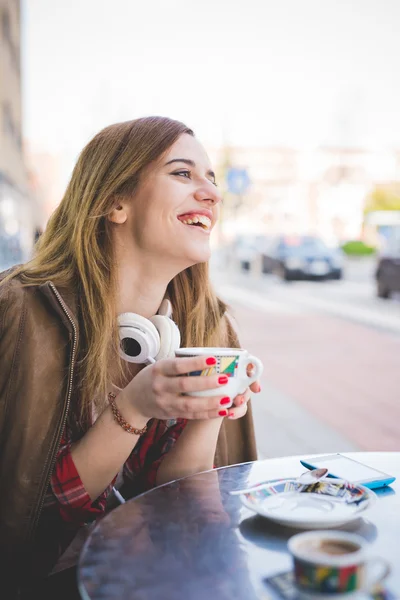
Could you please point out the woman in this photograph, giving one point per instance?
(131, 231)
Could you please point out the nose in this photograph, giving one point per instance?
(208, 193)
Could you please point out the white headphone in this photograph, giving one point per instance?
(148, 340)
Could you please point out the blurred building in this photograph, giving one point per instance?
(45, 181)
(16, 214)
(319, 191)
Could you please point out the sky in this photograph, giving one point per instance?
(298, 73)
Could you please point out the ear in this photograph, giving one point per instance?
(118, 215)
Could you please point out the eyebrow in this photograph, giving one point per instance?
(190, 163)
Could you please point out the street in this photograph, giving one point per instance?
(330, 350)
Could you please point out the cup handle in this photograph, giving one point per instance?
(381, 567)
(258, 368)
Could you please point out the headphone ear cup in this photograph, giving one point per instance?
(170, 337)
(139, 338)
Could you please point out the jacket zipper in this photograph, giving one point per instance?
(71, 375)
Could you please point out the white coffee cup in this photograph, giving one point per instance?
(232, 362)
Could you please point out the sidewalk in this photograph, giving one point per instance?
(283, 427)
(328, 384)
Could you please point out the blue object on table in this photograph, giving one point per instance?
(371, 484)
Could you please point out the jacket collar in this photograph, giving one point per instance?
(62, 300)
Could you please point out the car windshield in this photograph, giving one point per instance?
(295, 245)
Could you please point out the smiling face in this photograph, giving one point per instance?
(175, 206)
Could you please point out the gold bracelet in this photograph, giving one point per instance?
(120, 419)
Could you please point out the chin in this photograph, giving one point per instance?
(201, 257)
(195, 258)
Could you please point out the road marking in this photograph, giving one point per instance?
(300, 302)
(351, 311)
(232, 293)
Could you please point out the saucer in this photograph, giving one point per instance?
(284, 586)
(357, 595)
(324, 504)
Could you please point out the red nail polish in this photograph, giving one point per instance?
(211, 361)
(223, 413)
(223, 379)
(225, 400)
(231, 413)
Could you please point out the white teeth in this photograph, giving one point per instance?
(205, 221)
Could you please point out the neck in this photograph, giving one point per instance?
(142, 283)
(139, 292)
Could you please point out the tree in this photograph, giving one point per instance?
(383, 197)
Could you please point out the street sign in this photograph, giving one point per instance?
(237, 180)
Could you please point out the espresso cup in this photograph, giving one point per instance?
(334, 562)
(232, 362)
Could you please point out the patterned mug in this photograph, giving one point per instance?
(334, 562)
(232, 362)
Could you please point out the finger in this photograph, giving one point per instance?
(221, 412)
(193, 383)
(171, 367)
(250, 370)
(242, 398)
(195, 407)
(210, 415)
(255, 387)
(237, 413)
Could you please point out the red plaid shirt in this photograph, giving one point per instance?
(66, 495)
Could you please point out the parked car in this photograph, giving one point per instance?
(302, 257)
(388, 276)
(387, 272)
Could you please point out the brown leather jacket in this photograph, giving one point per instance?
(38, 340)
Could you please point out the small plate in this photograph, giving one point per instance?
(358, 595)
(323, 504)
(284, 586)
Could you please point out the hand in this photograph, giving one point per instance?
(239, 406)
(162, 391)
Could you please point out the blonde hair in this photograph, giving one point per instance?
(75, 251)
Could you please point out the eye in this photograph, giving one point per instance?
(184, 173)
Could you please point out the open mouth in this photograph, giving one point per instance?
(200, 221)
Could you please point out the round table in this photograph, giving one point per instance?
(191, 539)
